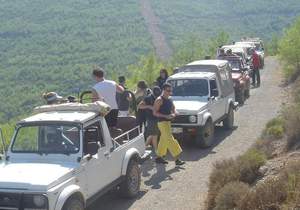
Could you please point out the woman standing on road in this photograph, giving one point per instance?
(164, 109)
(161, 80)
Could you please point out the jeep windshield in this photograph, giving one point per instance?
(189, 87)
(47, 139)
(235, 65)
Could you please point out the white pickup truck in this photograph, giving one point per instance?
(203, 95)
(64, 160)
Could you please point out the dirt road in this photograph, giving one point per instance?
(172, 188)
(163, 51)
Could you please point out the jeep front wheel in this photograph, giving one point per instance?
(229, 120)
(73, 204)
(132, 183)
(205, 136)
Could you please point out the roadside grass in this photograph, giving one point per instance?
(243, 169)
(292, 126)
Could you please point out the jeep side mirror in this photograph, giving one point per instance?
(92, 148)
(214, 93)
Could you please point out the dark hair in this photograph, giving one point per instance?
(142, 84)
(122, 79)
(166, 85)
(156, 91)
(98, 72)
(165, 72)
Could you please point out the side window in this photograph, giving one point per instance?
(213, 87)
(93, 133)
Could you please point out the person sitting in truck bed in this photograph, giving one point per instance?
(106, 90)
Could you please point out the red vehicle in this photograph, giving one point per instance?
(240, 76)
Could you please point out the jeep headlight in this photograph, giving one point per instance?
(37, 201)
(193, 119)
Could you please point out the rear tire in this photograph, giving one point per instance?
(228, 122)
(132, 183)
(247, 93)
(205, 136)
(73, 203)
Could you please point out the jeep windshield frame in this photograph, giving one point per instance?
(189, 87)
(47, 138)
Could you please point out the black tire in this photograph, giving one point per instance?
(73, 203)
(205, 136)
(228, 122)
(130, 187)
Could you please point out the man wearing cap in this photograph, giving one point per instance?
(106, 90)
(53, 98)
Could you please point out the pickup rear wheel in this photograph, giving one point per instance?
(240, 97)
(132, 183)
(205, 136)
(228, 122)
(73, 203)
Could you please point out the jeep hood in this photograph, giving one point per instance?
(32, 176)
(189, 107)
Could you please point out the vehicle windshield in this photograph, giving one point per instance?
(47, 139)
(189, 87)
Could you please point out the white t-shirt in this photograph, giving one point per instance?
(107, 90)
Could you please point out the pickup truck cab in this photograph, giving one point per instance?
(203, 96)
(240, 76)
(64, 157)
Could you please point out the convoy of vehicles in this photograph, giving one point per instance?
(65, 157)
(203, 95)
(240, 76)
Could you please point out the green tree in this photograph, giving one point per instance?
(222, 38)
(289, 50)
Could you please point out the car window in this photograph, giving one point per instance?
(93, 133)
(49, 139)
(213, 85)
(189, 87)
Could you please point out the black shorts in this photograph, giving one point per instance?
(112, 118)
(151, 128)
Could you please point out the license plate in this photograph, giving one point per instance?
(177, 130)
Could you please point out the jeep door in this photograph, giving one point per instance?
(216, 104)
(98, 168)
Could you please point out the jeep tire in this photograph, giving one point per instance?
(73, 203)
(205, 136)
(228, 122)
(130, 187)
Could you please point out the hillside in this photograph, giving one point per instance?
(52, 45)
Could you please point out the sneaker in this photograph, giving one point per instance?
(161, 160)
(179, 162)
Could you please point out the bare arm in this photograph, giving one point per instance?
(120, 89)
(158, 102)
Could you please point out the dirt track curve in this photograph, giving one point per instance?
(163, 51)
(172, 188)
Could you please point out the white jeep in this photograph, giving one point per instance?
(65, 159)
(203, 95)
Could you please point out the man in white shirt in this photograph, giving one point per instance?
(105, 90)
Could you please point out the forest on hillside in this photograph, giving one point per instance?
(53, 45)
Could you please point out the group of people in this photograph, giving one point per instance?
(155, 110)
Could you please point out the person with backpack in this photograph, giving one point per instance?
(151, 131)
(123, 99)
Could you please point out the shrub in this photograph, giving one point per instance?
(268, 195)
(223, 172)
(265, 146)
(292, 125)
(231, 196)
(249, 165)
(274, 128)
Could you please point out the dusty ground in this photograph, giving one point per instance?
(172, 188)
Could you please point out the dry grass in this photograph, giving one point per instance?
(292, 126)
